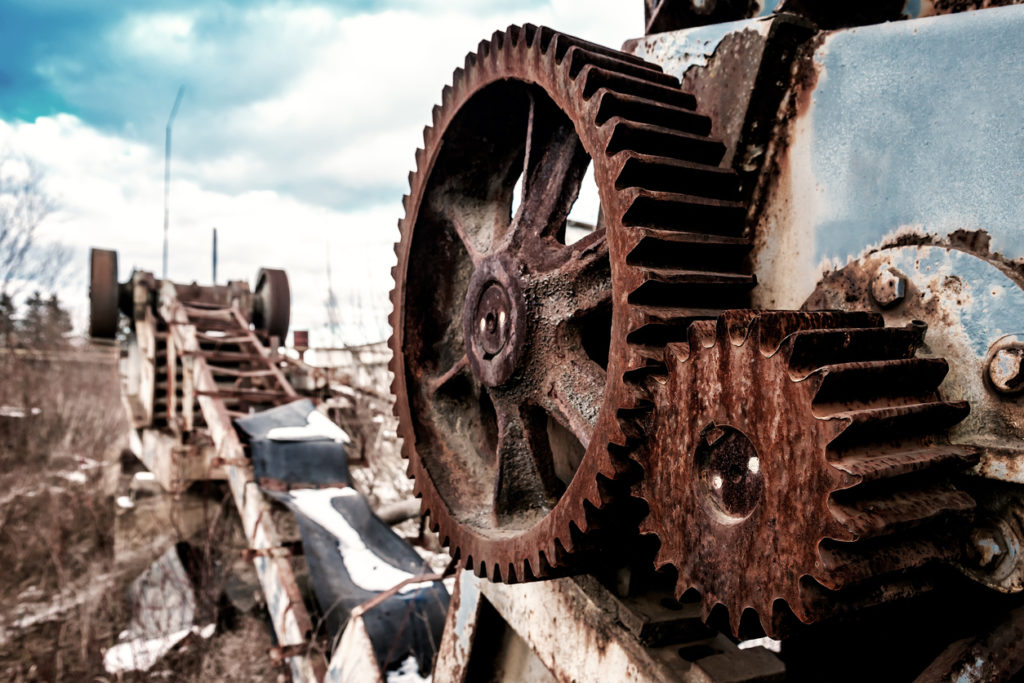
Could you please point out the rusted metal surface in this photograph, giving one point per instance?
(514, 430)
(800, 445)
(862, 158)
(452, 662)
(193, 346)
(271, 310)
(995, 556)
(739, 73)
(672, 15)
(995, 656)
(1006, 365)
(292, 624)
(103, 294)
(973, 311)
(571, 626)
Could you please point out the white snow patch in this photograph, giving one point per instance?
(17, 413)
(407, 672)
(125, 503)
(766, 643)
(368, 571)
(74, 477)
(318, 426)
(141, 654)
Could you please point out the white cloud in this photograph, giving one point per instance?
(320, 158)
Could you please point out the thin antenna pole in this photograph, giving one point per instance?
(215, 256)
(167, 171)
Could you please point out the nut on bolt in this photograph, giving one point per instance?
(989, 545)
(888, 287)
(1005, 371)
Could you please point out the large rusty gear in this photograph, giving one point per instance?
(805, 454)
(511, 346)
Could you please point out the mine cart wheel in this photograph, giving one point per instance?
(271, 308)
(519, 356)
(103, 294)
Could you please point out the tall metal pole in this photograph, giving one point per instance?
(215, 256)
(167, 172)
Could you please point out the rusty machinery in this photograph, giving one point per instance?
(198, 357)
(784, 366)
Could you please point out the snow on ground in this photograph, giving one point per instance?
(367, 569)
(408, 672)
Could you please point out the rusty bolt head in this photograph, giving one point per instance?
(493, 323)
(990, 547)
(1005, 371)
(888, 288)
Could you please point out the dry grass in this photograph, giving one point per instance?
(62, 420)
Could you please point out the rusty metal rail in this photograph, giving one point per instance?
(187, 345)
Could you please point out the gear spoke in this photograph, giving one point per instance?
(461, 229)
(525, 478)
(574, 395)
(581, 272)
(554, 165)
(459, 367)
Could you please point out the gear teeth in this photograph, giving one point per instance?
(814, 349)
(611, 104)
(545, 36)
(596, 78)
(867, 382)
(654, 140)
(896, 423)
(875, 436)
(580, 58)
(887, 514)
(870, 467)
(664, 173)
(670, 210)
(563, 42)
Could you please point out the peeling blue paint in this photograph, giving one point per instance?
(918, 123)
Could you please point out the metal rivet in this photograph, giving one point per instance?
(1004, 369)
(989, 545)
(888, 288)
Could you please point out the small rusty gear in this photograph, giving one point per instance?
(806, 454)
(510, 343)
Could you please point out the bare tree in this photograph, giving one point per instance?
(24, 204)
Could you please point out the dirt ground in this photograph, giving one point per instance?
(75, 531)
(71, 551)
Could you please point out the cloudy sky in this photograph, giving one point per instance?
(294, 138)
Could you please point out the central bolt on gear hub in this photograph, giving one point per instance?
(804, 456)
(510, 344)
